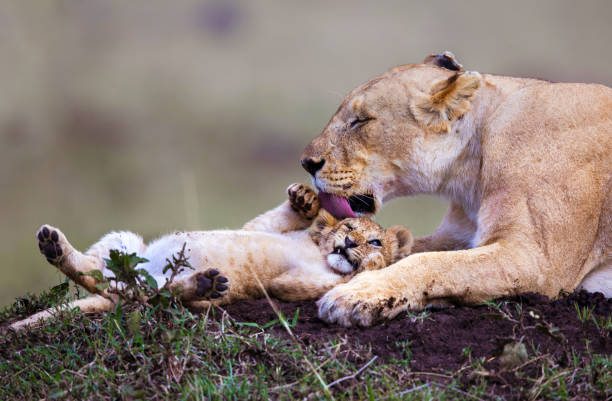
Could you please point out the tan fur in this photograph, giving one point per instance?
(91, 304)
(526, 165)
(274, 252)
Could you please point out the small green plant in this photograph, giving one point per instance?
(418, 316)
(406, 351)
(495, 305)
(584, 313)
(602, 323)
(291, 323)
(466, 353)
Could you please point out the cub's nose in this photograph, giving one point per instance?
(312, 165)
(349, 243)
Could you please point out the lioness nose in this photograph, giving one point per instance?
(349, 243)
(312, 166)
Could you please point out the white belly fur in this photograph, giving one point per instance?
(599, 280)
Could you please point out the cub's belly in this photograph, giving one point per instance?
(235, 253)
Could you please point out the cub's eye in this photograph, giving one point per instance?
(356, 122)
(375, 242)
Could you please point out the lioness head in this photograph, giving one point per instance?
(392, 136)
(357, 244)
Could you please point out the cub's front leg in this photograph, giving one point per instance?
(304, 201)
(294, 214)
(304, 285)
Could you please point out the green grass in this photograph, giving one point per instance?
(172, 353)
(175, 354)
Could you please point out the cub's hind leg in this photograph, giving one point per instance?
(60, 253)
(91, 304)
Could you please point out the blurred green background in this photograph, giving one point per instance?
(156, 115)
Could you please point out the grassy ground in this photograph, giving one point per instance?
(137, 352)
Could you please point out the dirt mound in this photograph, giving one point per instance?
(443, 340)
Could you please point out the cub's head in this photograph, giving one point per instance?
(395, 135)
(356, 244)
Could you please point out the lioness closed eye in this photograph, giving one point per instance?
(275, 249)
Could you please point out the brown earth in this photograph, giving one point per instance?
(437, 341)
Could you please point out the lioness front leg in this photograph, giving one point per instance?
(454, 233)
(468, 276)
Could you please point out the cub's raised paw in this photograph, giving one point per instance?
(211, 284)
(303, 200)
(51, 243)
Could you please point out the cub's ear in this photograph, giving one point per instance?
(404, 242)
(445, 60)
(447, 101)
(325, 218)
(322, 225)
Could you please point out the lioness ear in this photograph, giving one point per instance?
(322, 225)
(449, 100)
(445, 60)
(404, 241)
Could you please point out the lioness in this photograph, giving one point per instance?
(526, 165)
(275, 250)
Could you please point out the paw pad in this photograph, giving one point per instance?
(211, 284)
(48, 244)
(303, 200)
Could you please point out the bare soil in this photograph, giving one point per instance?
(438, 340)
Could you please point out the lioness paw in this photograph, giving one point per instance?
(52, 244)
(211, 284)
(363, 301)
(303, 200)
(342, 307)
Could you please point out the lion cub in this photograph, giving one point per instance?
(275, 251)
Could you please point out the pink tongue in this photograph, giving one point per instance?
(336, 205)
